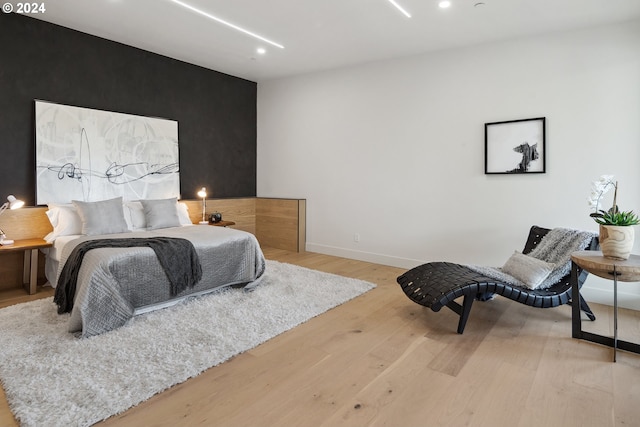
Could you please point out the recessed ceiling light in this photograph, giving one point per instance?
(261, 50)
(444, 4)
(228, 24)
(400, 8)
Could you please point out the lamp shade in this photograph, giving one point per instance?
(202, 193)
(14, 203)
(11, 203)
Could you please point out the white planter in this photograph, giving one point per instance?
(616, 241)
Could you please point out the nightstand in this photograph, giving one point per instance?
(222, 223)
(30, 248)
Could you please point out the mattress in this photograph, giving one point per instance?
(52, 259)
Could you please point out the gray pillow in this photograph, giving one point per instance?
(103, 217)
(529, 270)
(161, 213)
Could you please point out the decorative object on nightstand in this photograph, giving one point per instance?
(616, 231)
(11, 203)
(215, 217)
(203, 194)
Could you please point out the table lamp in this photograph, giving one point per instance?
(203, 193)
(11, 203)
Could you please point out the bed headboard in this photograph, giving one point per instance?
(26, 223)
(277, 223)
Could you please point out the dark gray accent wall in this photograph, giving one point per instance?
(216, 113)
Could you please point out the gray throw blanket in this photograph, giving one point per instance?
(555, 248)
(177, 257)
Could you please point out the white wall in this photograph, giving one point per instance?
(394, 151)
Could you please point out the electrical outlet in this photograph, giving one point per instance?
(356, 238)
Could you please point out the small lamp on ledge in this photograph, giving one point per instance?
(12, 203)
(203, 193)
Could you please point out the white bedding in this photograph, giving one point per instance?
(52, 259)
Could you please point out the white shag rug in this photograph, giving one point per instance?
(52, 378)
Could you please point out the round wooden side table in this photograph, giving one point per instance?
(617, 270)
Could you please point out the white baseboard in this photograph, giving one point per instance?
(364, 256)
(605, 297)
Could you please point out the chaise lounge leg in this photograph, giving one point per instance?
(466, 309)
(462, 310)
(587, 310)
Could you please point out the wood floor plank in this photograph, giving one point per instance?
(366, 405)
(382, 360)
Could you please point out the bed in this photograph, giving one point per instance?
(115, 284)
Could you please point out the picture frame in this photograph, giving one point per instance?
(515, 146)
(88, 154)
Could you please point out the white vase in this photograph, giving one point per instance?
(616, 241)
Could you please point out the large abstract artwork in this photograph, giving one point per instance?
(86, 154)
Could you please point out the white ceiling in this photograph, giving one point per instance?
(322, 34)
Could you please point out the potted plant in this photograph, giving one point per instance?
(616, 231)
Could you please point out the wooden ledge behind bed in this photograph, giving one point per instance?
(277, 223)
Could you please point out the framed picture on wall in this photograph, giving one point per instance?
(87, 154)
(515, 146)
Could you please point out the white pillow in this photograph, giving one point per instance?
(183, 214)
(134, 215)
(161, 213)
(529, 270)
(65, 221)
(103, 217)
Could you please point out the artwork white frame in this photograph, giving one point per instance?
(89, 155)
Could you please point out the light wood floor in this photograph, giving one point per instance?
(382, 360)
